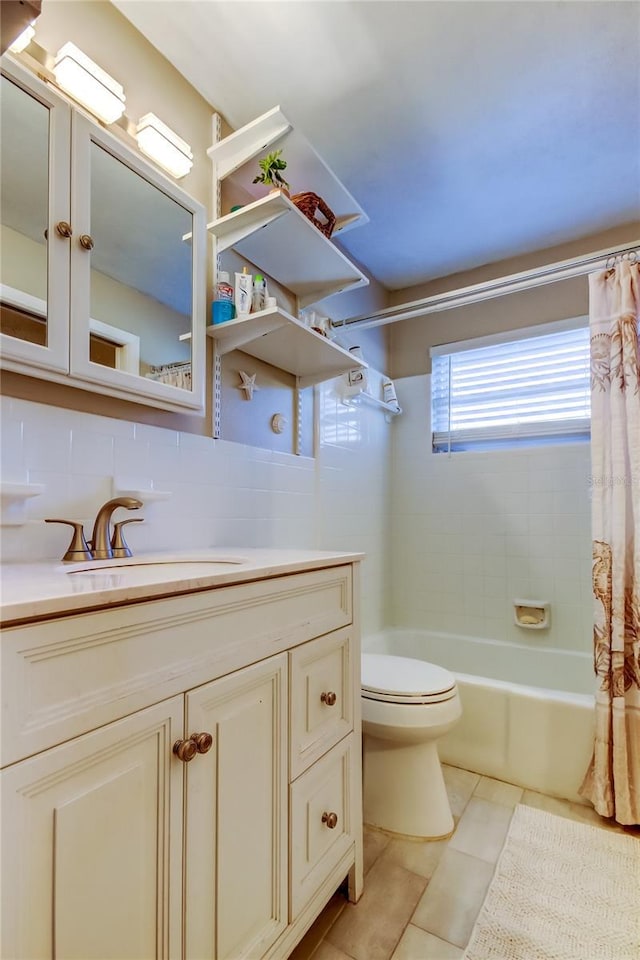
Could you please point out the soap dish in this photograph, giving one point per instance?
(531, 614)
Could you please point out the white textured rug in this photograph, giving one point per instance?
(561, 891)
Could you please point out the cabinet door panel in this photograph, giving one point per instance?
(236, 853)
(137, 273)
(94, 847)
(34, 197)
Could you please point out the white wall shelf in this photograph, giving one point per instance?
(272, 233)
(13, 496)
(305, 168)
(276, 337)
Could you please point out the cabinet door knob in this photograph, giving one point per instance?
(86, 241)
(331, 820)
(64, 229)
(328, 698)
(203, 742)
(185, 750)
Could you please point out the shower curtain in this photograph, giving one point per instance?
(612, 782)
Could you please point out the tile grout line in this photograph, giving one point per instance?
(430, 932)
(480, 860)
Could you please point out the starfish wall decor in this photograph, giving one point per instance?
(248, 384)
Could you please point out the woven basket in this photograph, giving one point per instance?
(316, 210)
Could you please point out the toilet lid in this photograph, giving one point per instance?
(404, 680)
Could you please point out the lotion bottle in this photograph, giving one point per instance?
(244, 294)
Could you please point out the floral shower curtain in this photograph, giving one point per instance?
(612, 782)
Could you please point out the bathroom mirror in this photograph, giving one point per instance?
(138, 273)
(24, 211)
(141, 274)
(103, 267)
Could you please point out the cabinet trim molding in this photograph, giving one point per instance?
(167, 643)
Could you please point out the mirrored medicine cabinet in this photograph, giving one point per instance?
(103, 267)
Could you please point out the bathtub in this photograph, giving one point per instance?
(528, 713)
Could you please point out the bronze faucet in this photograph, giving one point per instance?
(102, 545)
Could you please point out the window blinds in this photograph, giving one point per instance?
(535, 387)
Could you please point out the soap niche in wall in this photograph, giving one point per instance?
(531, 614)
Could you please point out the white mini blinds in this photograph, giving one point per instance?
(526, 386)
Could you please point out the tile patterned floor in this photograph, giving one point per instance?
(421, 899)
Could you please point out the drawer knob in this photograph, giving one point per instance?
(86, 241)
(64, 229)
(331, 820)
(203, 742)
(185, 750)
(328, 698)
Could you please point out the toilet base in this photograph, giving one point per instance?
(404, 790)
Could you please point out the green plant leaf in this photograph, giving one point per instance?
(270, 165)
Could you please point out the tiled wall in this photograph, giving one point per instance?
(474, 531)
(223, 493)
(467, 534)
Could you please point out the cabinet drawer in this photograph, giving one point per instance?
(321, 697)
(316, 848)
(61, 678)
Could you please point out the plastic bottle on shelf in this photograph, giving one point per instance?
(222, 307)
(259, 298)
(389, 391)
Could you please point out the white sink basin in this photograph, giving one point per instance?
(193, 563)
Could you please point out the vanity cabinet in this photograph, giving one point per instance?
(115, 844)
(91, 844)
(236, 815)
(103, 274)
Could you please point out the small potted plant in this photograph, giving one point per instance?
(271, 168)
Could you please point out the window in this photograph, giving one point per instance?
(530, 386)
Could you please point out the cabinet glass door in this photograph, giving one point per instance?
(34, 222)
(136, 259)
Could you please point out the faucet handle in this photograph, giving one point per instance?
(119, 545)
(78, 549)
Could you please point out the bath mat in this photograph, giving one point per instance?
(561, 891)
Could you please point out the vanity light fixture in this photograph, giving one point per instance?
(23, 40)
(88, 83)
(164, 146)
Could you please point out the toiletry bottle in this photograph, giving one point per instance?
(222, 307)
(244, 293)
(389, 391)
(259, 301)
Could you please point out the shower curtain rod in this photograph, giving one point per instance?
(476, 293)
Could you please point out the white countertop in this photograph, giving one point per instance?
(35, 591)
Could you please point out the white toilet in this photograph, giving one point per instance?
(406, 706)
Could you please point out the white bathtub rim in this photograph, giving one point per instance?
(533, 693)
(390, 632)
(392, 637)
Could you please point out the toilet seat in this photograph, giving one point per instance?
(391, 679)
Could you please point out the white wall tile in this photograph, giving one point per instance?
(524, 532)
(12, 450)
(223, 493)
(92, 453)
